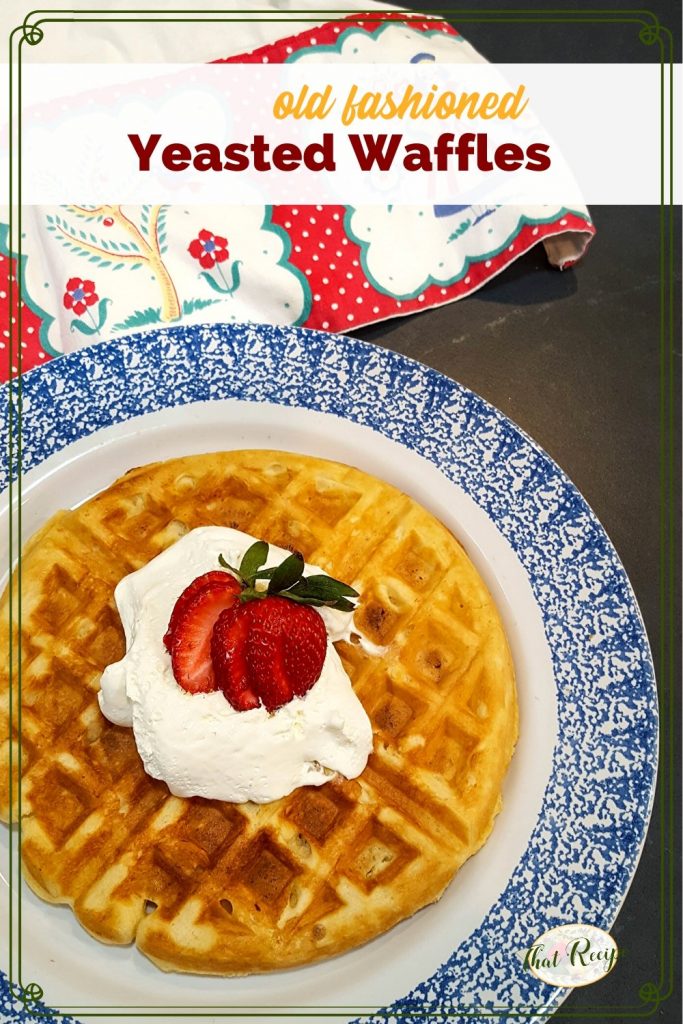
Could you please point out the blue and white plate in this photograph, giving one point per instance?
(578, 796)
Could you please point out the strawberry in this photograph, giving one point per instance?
(268, 651)
(216, 578)
(193, 629)
(228, 654)
(253, 632)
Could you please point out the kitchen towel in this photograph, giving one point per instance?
(93, 273)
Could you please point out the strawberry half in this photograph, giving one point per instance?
(228, 654)
(213, 578)
(192, 632)
(268, 651)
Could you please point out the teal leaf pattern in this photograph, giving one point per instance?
(235, 276)
(190, 305)
(223, 287)
(84, 214)
(144, 219)
(59, 226)
(84, 328)
(102, 313)
(152, 315)
(460, 230)
(140, 318)
(161, 229)
(210, 281)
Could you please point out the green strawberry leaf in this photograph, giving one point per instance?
(343, 605)
(321, 595)
(253, 559)
(288, 581)
(343, 588)
(230, 568)
(264, 574)
(286, 574)
(291, 596)
(325, 588)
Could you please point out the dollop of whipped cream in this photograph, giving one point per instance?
(198, 744)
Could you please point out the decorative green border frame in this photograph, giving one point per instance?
(651, 32)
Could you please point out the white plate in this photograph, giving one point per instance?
(172, 394)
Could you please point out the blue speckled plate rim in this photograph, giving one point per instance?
(436, 417)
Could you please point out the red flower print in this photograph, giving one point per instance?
(79, 295)
(208, 248)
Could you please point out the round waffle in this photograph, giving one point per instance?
(219, 888)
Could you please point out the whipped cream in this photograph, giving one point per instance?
(198, 744)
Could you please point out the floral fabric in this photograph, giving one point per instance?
(92, 273)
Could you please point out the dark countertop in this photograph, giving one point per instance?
(573, 358)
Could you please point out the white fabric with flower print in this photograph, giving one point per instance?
(126, 268)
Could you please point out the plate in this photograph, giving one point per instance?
(578, 796)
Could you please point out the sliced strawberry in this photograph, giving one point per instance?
(265, 650)
(191, 642)
(304, 648)
(268, 651)
(214, 578)
(228, 654)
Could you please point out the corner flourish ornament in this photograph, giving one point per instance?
(650, 33)
(31, 34)
(26, 994)
(650, 993)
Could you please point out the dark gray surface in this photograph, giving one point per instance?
(614, 41)
(573, 358)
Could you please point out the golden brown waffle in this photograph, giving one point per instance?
(220, 888)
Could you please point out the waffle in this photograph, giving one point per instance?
(218, 888)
